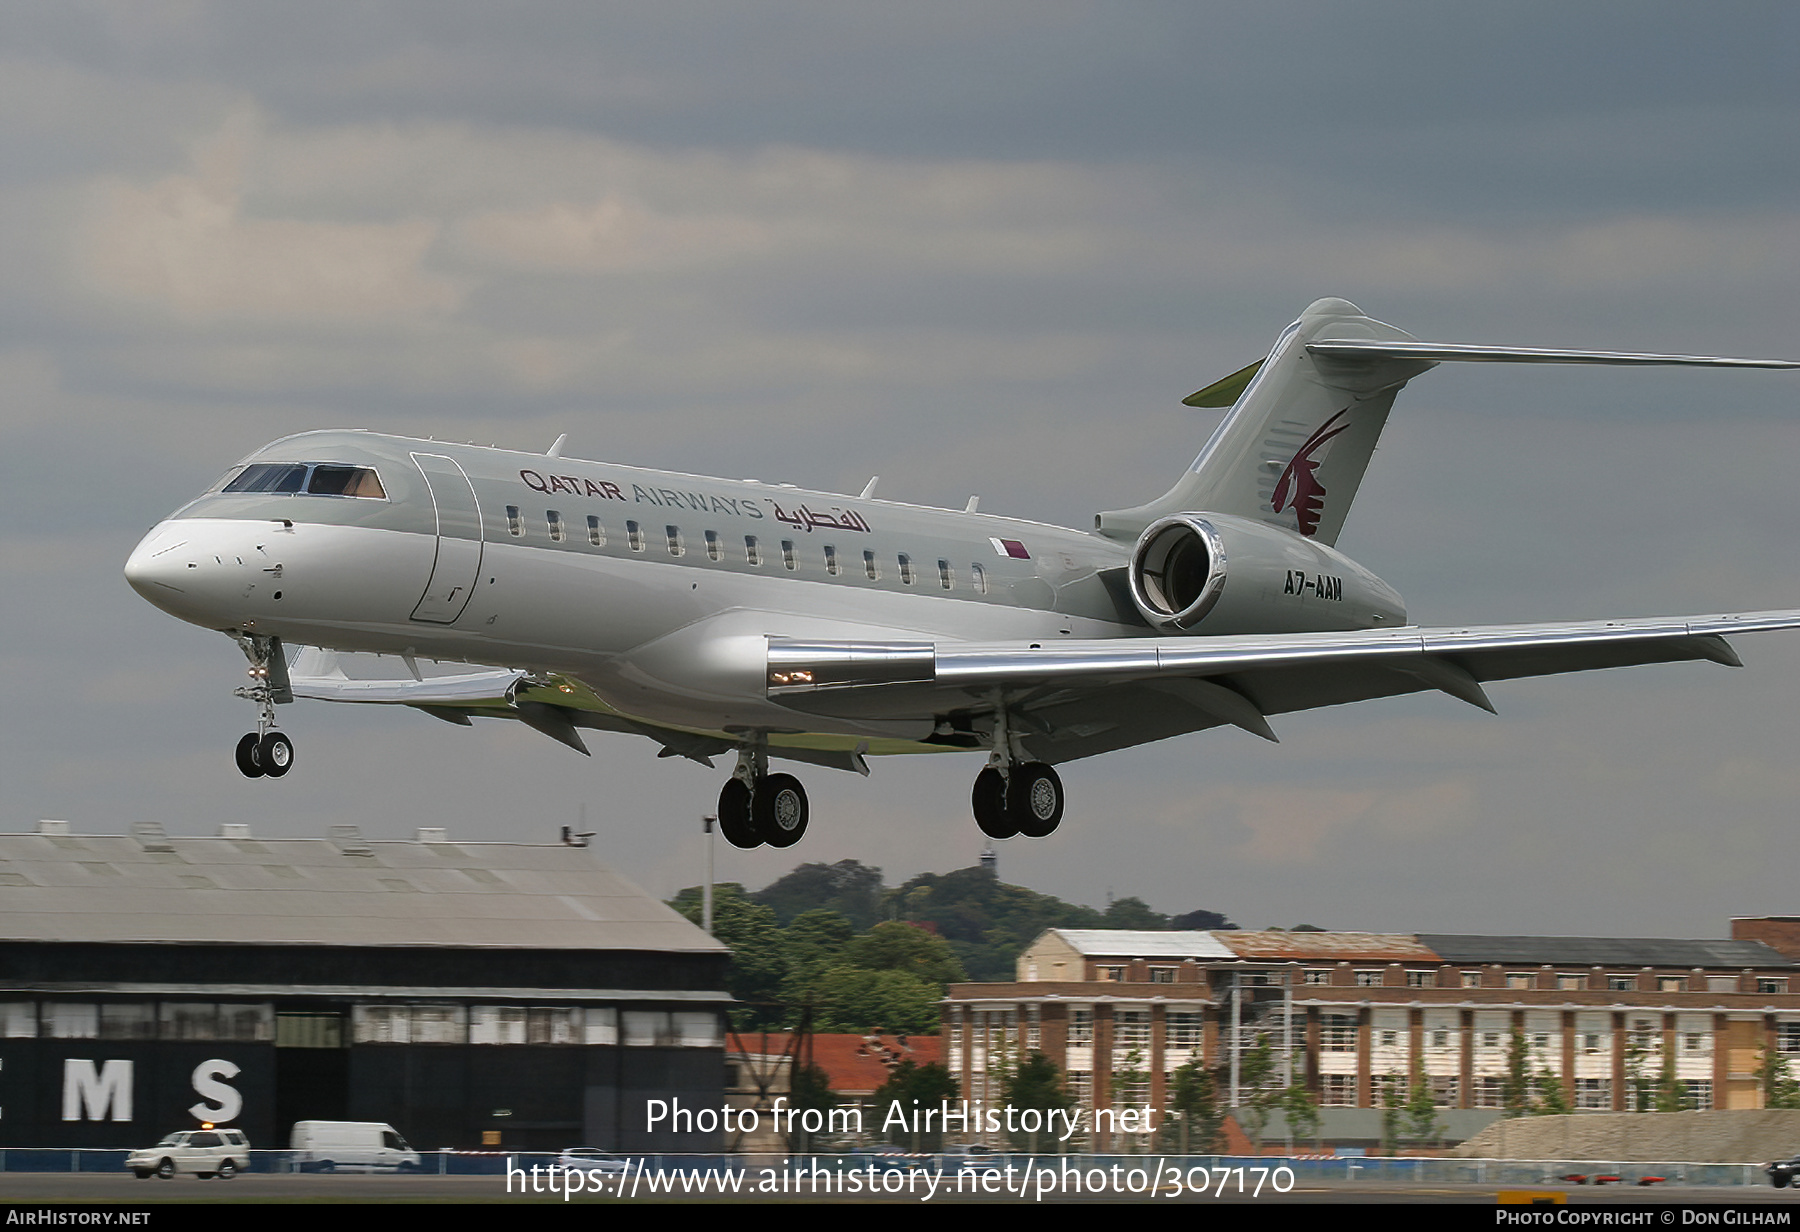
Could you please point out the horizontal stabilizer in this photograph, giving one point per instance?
(1372, 349)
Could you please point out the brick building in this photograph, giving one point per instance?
(1355, 1015)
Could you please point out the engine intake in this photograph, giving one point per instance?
(1178, 571)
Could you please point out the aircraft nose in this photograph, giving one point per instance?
(156, 565)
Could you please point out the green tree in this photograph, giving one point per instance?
(853, 999)
(1257, 1097)
(847, 888)
(1671, 1092)
(1422, 1124)
(1135, 913)
(1515, 1089)
(1131, 1089)
(1640, 1090)
(1036, 1084)
(1301, 1109)
(809, 1087)
(1193, 1122)
(758, 959)
(1552, 1096)
(1393, 1110)
(914, 1089)
(1778, 1086)
(893, 946)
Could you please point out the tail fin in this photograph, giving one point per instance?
(1293, 450)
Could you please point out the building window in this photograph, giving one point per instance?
(1440, 1039)
(1621, 983)
(1081, 1027)
(1518, 979)
(1390, 1039)
(1081, 1087)
(596, 532)
(1671, 983)
(1420, 979)
(1787, 1036)
(1446, 1090)
(1184, 1029)
(1593, 1093)
(1162, 975)
(1699, 1093)
(1571, 983)
(1693, 1041)
(1113, 975)
(1131, 1028)
(1368, 979)
(1338, 1091)
(18, 1020)
(1315, 977)
(1771, 983)
(1337, 1032)
(1490, 1092)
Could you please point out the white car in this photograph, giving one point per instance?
(205, 1152)
(593, 1159)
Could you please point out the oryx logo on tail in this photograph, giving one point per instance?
(1299, 485)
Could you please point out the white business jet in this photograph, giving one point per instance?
(721, 616)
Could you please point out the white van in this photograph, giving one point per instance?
(326, 1146)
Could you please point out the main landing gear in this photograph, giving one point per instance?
(1013, 796)
(757, 807)
(265, 752)
(1025, 799)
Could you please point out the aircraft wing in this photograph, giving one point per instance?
(1071, 699)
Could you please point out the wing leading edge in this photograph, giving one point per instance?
(1073, 699)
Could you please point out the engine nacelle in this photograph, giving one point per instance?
(1234, 575)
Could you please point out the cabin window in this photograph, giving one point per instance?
(634, 536)
(554, 520)
(676, 546)
(752, 551)
(831, 560)
(870, 567)
(978, 579)
(907, 574)
(713, 550)
(946, 575)
(596, 532)
(787, 555)
(515, 525)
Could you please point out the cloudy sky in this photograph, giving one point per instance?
(972, 247)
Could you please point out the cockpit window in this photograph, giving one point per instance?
(344, 481)
(270, 477)
(316, 479)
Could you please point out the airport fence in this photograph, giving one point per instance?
(1300, 1170)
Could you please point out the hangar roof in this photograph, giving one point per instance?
(345, 890)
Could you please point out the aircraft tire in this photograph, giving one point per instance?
(276, 754)
(780, 810)
(1034, 799)
(734, 815)
(988, 802)
(248, 761)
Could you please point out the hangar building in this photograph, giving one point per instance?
(469, 994)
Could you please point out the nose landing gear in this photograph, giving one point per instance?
(756, 807)
(264, 751)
